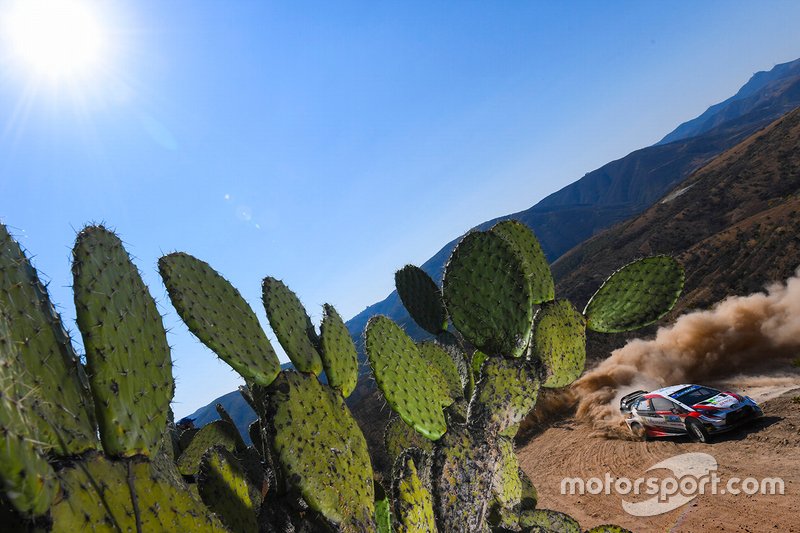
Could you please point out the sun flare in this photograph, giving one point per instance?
(55, 39)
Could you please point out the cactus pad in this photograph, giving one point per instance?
(507, 485)
(504, 395)
(102, 495)
(549, 521)
(63, 410)
(339, 355)
(410, 385)
(559, 342)
(291, 325)
(413, 503)
(217, 433)
(26, 478)
(422, 298)
(127, 354)
(488, 295)
(321, 450)
(636, 295)
(224, 489)
(383, 515)
(463, 466)
(399, 436)
(436, 355)
(217, 314)
(536, 266)
(529, 496)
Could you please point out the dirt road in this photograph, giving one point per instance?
(767, 449)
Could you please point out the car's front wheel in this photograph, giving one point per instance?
(696, 431)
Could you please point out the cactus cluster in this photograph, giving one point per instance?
(55, 474)
(315, 461)
(91, 446)
(507, 336)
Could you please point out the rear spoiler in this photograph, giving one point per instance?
(630, 399)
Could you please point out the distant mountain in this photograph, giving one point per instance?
(624, 188)
(765, 91)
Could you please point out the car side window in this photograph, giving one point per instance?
(662, 404)
(644, 405)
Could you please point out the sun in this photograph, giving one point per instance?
(55, 39)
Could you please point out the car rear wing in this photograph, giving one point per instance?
(629, 399)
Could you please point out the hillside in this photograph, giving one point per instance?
(625, 187)
(733, 225)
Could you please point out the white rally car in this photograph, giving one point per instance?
(695, 410)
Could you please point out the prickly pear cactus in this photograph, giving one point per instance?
(415, 390)
(219, 433)
(321, 450)
(636, 295)
(339, 355)
(559, 342)
(399, 436)
(123, 336)
(422, 298)
(217, 314)
(291, 325)
(411, 492)
(63, 410)
(27, 478)
(51, 485)
(499, 293)
(488, 294)
(225, 490)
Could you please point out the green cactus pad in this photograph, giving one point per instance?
(217, 433)
(224, 489)
(102, 495)
(63, 408)
(26, 478)
(383, 515)
(536, 266)
(487, 294)
(435, 354)
(478, 358)
(559, 342)
(507, 485)
(321, 450)
(339, 355)
(505, 394)
(223, 415)
(422, 298)
(549, 520)
(128, 358)
(412, 387)
(291, 325)
(636, 295)
(217, 314)
(411, 492)
(399, 436)
(463, 466)
(608, 528)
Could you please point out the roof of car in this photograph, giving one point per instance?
(668, 391)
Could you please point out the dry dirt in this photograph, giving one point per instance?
(767, 448)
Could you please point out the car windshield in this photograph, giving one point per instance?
(694, 394)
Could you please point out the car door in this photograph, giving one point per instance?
(646, 414)
(668, 414)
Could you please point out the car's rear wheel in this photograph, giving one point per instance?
(696, 431)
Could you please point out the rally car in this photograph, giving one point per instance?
(695, 410)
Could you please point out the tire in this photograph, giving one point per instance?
(697, 432)
(639, 432)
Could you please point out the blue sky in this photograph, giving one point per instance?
(330, 143)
